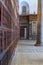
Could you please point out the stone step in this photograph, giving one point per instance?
(27, 42)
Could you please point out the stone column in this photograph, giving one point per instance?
(25, 33)
(39, 24)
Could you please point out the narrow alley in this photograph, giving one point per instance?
(21, 32)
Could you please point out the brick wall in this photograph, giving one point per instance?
(9, 30)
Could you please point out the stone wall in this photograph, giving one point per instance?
(9, 30)
(39, 24)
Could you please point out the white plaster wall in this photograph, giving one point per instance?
(32, 6)
(42, 23)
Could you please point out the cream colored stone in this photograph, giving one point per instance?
(28, 55)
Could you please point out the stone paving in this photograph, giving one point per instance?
(27, 42)
(28, 55)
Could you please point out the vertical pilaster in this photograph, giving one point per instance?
(39, 23)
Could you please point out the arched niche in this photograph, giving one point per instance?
(25, 7)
